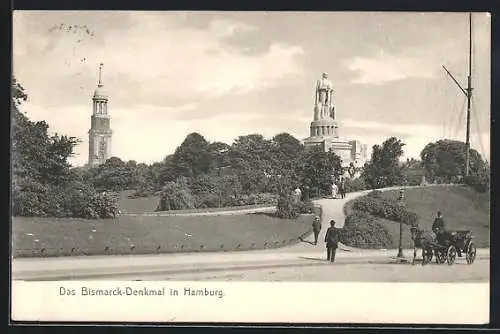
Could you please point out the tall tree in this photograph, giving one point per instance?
(445, 160)
(250, 158)
(286, 153)
(192, 157)
(316, 169)
(35, 153)
(384, 169)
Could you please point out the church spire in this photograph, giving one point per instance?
(100, 75)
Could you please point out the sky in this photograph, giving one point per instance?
(226, 74)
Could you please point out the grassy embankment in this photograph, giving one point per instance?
(33, 237)
(462, 208)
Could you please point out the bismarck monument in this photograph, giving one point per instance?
(324, 128)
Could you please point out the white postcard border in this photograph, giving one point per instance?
(254, 302)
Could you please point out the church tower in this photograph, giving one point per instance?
(100, 131)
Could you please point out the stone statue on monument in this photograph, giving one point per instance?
(323, 99)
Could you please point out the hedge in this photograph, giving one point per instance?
(384, 208)
(361, 230)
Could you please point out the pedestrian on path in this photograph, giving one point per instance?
(332, 241)
(316, 228)
(297, 194)
(342, 188)
(335, 190)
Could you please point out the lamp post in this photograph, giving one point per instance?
(401, 202)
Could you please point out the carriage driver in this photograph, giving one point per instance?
(438, 227)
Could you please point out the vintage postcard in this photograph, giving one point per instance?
(251, 167)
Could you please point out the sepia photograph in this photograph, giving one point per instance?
(216, 157)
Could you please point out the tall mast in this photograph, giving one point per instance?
(468, 93)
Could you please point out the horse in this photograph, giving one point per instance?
(420, 240)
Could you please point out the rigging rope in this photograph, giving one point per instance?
(478, 129)
(459, 121)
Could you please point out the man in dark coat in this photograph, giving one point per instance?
(332, 238)
(316, 228)
(342, 188)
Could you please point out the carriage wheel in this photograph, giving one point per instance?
(451, 254)
(470, 255)
(440, 256)
(426, 255)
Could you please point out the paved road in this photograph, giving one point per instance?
(370, 266)
(300, 262)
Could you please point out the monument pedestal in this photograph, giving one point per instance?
(324, 127)
(340, 147)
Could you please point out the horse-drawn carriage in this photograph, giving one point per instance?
(445, 247)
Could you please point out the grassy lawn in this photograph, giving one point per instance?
(136, 205)
(462, 208)
(146, 235)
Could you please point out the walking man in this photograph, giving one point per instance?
(332, 240)
(342, 188)
(316, 228)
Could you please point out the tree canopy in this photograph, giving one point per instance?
(384, 168)
(444, 161)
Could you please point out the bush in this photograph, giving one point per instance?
(208, 200)
(353, 185)
(381, 207)
(287, 207)
(176, 196)
(143, 191)
(306, 207)
(362, 231)
(259, 199)
(75, 199)
(28, 198)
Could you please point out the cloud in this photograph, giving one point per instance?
(224, 75)
(183, 62)
(385, 67)
(227, 28)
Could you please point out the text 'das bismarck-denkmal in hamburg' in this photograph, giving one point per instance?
(140, 292)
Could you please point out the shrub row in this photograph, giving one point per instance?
(353, 185)
(212, 200)
(361, 230)
(76, 200)
(385, 208)
(179, 196)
